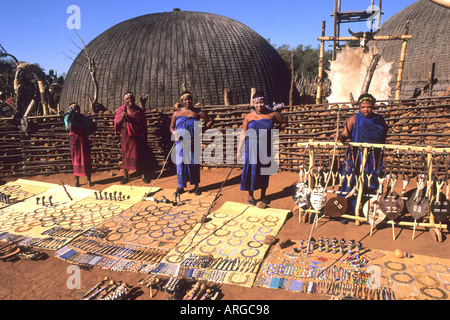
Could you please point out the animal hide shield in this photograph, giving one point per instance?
(391, 204)
(318, 198)
(335, 207)
(417, 205)
(372, 211)
(301, 194)
(440, 208)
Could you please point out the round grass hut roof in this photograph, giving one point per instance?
(162, 54)
(429, 25)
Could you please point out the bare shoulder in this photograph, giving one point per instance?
(352, 119)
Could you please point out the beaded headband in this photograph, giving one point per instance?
(365, 98)
(185, 95)
(126, 95)
(73, 105)
(258, 98)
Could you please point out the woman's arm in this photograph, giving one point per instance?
(282, 121)
(347, 131)
(209, 121)
(242, 136)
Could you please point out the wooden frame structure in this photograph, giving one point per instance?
(405, 37)
(428, 150)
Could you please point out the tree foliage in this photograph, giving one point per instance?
(306, 59)
(7, 69)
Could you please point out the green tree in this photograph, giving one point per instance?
(306, 59)
(7, 69)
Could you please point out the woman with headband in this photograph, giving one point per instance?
(79, 127)
(183, 126)
(262, 119)
(367, 127)
(131, 123)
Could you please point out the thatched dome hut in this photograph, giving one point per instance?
(429, 25)
(162, 54)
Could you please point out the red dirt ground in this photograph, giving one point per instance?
(47, 279)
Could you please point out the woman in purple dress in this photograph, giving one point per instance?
(184, 123)
(369, 127)
(257, 131)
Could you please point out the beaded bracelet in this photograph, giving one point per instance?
(429, 266)
(435, 284)
(438, 275)
(407, 293)
(443, 297)
(396, 274)
(388, 263)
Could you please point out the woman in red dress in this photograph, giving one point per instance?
(80, 127)
(130, 122)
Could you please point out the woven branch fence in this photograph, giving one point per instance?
(416, 122)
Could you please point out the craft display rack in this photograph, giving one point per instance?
(435, 171)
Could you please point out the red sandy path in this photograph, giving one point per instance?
(47, 279)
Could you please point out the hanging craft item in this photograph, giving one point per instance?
(318, 198)
(352, 174)
(335, 175)
(335, 207)
(373, 213)
(406, 178)
(390, 202)
(440, 207)
(371, 208)
(371, 172)
(417, 203)
(301, 192)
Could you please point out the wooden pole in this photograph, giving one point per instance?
(431, 79)
(311, 166)
(379, 16)
(320, 72)
(226, 96)
(361, 184)
(382, 38)
(437, 236)
(335, 23)
(252, 92)
(369, 74)
(291, 91)
(427, 149)
(400, 71)
(401, 64)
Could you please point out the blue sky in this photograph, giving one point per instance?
(36, 31)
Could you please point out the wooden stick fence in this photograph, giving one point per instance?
(416, 122)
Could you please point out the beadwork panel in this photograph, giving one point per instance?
(419, 277)
(141, 236)
(370, 275)
(53, 219)
(21, 189)
(228, 248)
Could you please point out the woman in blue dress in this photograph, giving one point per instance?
(369, 127)
(185, 124)
(256, 136)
